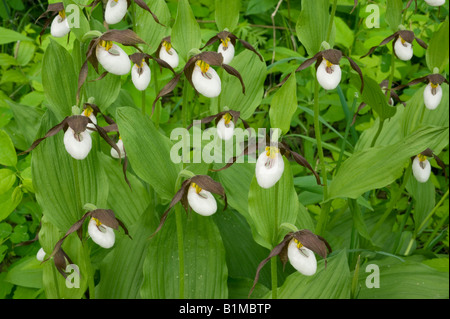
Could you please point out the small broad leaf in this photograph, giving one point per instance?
(186, 31)
(8, 155)
(284, 105)
(227, 14)
(438, 52)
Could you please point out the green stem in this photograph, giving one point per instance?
(323, 217)
(273, 267)
(347, 130)
(422, 225)
(380, 128)
(179, 225)
(394, 200)
(330, 24)
(391, 78)
(143, 102)
(157, 113)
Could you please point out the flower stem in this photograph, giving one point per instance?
(273, 267)
(179, 224)
(323, 217)
(143, 102)
(157, 114)
(380, 128)
(330, 24)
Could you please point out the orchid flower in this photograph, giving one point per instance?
(40, 254)
(227, 45)
(432, 94)
(421, 167)
(115, 10)
(384, 87)
(299, 248)
(402, 44)
(140, 72)
(225, 123)
(112, 57)
(59, 24)
(77, 139)
(201, 76)
(328, 71)
(167, 53)
(102, 224)
(270, 165)
(196, 192)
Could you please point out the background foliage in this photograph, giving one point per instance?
(378, 214)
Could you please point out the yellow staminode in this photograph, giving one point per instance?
(402, 40)
(106, 44)
(141, 65)
(97, 222)
(62, 14)
(203, 66)
(329, 64)
(422, 157)
(272, 151)
(434, 86)
(167, 45)
(227, 117)
(299, 244)
(198, 189)
(88, 111)
(225, 42)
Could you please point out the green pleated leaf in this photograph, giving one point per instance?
(412, 116)
(394, 13)
(59, 80)
(57, 184)
(227, 14)
(332, 282)
(28, 119)
(407, 280)
(8, 36)
(374, 96)
(121, 271)
(9, 200)
(26, 272)
(148, 151)
(269, 208)
(204, 258)
(147, 28)
(424, 199)
(437, 53)
(8, 155)
(128, 204)
(185, 31)
(284, 105)
(312, 25)
(7, 179)
(253, 73)
(380, 166)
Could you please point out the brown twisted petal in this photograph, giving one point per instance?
(313, 242)
(144, 6)
(277, 250)
(385, 41)
(61, 260)
(354, 6)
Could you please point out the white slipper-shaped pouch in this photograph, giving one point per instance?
(122, 151)
(101, 234)
(206, 81)
(421, 169)
(40, 254)
(141, 76)
(114, 60)
(201, 201)
(328, 75)
(269, 167)
(225, 128)
(169, 56)
(227, 52)
(435, 3)
(403, 50)
(60, 27)
(302, 259)
(115, 11)
(432, 96)
(77, 145)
